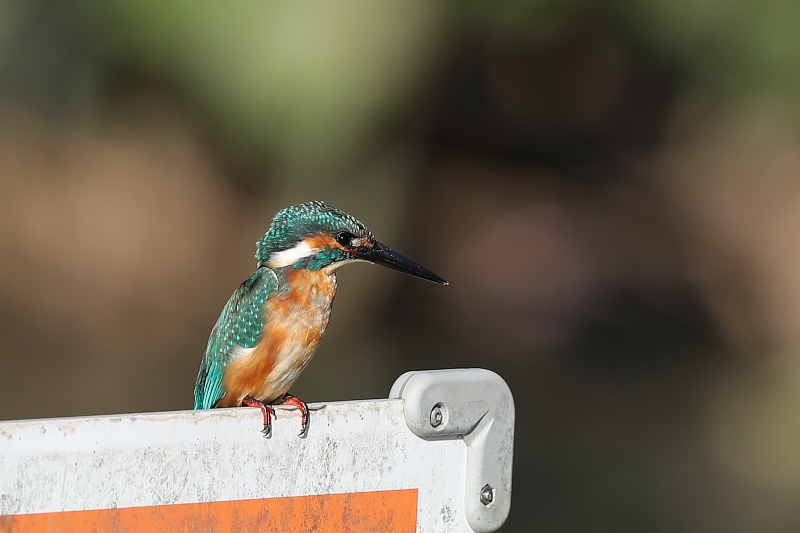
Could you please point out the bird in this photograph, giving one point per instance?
(270, 327)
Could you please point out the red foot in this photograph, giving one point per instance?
(266, 409)
(290, 399)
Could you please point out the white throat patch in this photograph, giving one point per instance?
(330, 269)
(292, 255)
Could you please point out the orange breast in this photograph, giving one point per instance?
(295, 325)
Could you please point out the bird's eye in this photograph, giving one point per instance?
(345, 238)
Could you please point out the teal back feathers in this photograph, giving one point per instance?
(240, 324)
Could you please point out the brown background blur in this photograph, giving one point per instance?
(612, 189)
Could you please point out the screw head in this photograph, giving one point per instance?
(487, 494)
(437, 416)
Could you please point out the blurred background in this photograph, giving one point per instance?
(611, 188)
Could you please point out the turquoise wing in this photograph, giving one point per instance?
(240, 324)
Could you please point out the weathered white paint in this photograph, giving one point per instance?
(220, 455)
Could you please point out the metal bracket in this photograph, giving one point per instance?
(477, 406)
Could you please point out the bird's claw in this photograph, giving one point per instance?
(267, 410)
(291, 399)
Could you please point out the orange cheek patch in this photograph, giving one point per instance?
(321, 241)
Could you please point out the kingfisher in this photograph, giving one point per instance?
(271, 325)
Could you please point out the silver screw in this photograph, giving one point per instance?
(487, 494)
(437, 416)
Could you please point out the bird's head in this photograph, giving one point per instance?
(317, 236)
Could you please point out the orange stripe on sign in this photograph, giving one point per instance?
(360, 512)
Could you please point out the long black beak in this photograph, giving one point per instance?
(383, 255)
